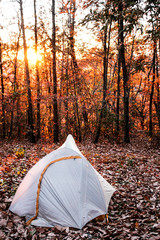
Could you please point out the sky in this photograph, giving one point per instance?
(9, 12)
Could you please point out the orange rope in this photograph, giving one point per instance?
(40, 180)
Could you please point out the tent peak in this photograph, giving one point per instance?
(70, 143)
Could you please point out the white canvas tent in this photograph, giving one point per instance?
(62, 189)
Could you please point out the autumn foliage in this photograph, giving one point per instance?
(109, 86)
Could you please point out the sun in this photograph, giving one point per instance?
(32, 56)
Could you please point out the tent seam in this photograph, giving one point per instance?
(40, 180)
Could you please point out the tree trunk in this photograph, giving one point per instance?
(2, 87)
(104, 87)
(18, 115)
(11, 123)
(118, 87)
(77, 85)
(157, 106)
(48, 79)
(49, 106)
(62, 78)
(67, 93)
(30, 107)
(37, 76)
(87, 129)
(125, 75)
(15, 86)
(55, 104)
(157, 103)
(103, 110)
(152, 90)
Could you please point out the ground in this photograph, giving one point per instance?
(133, 169)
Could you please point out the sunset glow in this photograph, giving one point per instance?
(32, 56)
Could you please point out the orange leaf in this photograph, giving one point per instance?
(136, 224)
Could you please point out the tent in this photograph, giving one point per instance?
(62, 189)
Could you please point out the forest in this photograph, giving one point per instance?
(54, 82)
(90, 69)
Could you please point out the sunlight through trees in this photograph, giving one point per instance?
(90, 68)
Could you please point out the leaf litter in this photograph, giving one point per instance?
(133, 169)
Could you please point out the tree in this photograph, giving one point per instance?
(152, 91)
(55, 103)
(125, 73)
(153, 13)
(102, 16)
(30, 107)
(76, 79)
(106, 49)
(37, 75)
(157, 101)
(118, 85)
(2, 87)
(128, 16)
(15, 87)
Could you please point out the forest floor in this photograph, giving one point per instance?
(133, 169)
